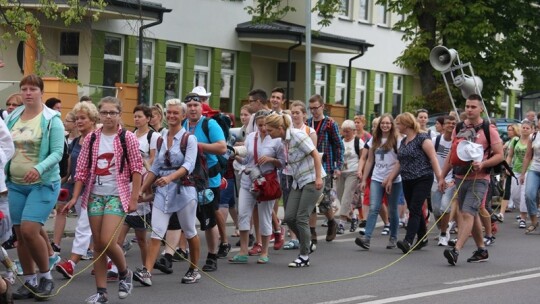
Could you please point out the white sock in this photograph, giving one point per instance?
(31, 279)
(46, 275)
(72, 264)
(304, 257)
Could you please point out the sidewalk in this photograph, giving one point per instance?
(71, 224)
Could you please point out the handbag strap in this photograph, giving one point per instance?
(255, 148)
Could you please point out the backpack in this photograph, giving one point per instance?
(357, 146)
(198, 178)
(65, 159)
(125, 158)
(224, 121)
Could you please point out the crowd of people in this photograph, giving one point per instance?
(149, 179)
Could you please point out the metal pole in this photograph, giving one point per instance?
(349, 77)
(141, 36)
(308, 53)
(289, 69)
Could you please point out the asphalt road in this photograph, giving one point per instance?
(342, 272)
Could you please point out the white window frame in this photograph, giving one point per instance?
(380, 88)
(118, 58)
(384, 19)
(341, 86)
(360, 91)
(368, 11)
(397, 89)
(148, 62)
(321, 83)
(346, 14)
(230, 72)
(202, 69)
(177, 66)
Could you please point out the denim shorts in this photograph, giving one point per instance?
(31, 203)
(100, 205)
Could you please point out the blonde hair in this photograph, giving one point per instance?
(176, 102)
(409, 121)
(348, 124)
(17, 97)
(360, 117)
(517, 129)
(275, 120)
(298, 103)
(88, 108)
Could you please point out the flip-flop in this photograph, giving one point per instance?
(263, 260)
(239, 259)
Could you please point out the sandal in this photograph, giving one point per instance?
(292, 244)
(263, 260)
(531, 228)
(239, 259)
(299, 262)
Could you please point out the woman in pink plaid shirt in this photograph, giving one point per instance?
(105, 168)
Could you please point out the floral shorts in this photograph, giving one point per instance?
(99, 205)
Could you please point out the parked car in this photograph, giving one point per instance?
(502, 126)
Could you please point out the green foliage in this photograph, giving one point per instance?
(266, 11)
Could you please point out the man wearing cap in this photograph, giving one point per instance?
(473, 184)
(212, 145)
(203, 95)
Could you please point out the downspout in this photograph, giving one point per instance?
(141, 30)
(349, 77)
(289, 64)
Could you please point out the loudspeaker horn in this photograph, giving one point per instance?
(468, 86)
(441, 58)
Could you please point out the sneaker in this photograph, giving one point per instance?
(522, 224)
(443, 240)
(386, 230)
(88, 256)
(421, 244)
(452, 227)
(340, 229)
(181, 255)
(26, 291)
(54, 260)
(210, 265)
(112, 276)
(391, 243)
(223, 250)
(489, 240)
(299, 262)
(65, 268)
(97, 298)
(362, 241)
(362, 227)
(499, 217)
(163, 265)
(325, 223)
(143, 276)
(126, 246)
(332, 230)
(255, 250)
(279, 238)
(55, 247)
(451, 255)
(125, 286)
(452, 242)
(312, 246)
(191, 276)
(44, 289)
(354, 225)
(404, 246)
(480, 255)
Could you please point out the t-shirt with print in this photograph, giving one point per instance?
(412, 158)
(350, 163)
(384, 162)
(106, 168)
(442, 153)
(27, 137)
(520, 149)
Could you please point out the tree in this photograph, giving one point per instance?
(269, 10)
(20, 22)
(498, 37)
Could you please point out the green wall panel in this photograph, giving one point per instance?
(215, 77)
(97, 57)
(159, 71)
(130, 55)
(388, 92)
(243, 79)
(331, 94)
(189, 67)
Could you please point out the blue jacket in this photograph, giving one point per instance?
(52, 144)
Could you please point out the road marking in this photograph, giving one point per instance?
(348, 299)
(493, 276)
(453, 289)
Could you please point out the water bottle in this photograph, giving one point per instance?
(4, 258)
(205, 196)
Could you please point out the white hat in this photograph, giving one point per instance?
(469, 151)
(201, 91)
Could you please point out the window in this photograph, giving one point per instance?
(360, 96)
(226, 95)
(363, 14)
(344, 8)
(382, 15)
(341, 86)
(148, 68)
(202, 68)
(379, 93)
(397, 95)
(113, 64)
(69, 53)
(173, 71)
(320, 80)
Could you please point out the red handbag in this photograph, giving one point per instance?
(269, 189)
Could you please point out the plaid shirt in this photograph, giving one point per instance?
(329, 142)
(88, 177)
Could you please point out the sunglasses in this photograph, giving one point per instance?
(190, 98)
(13, 105)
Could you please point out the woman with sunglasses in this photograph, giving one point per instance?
(12, 102)
(105, 167)
(171, 197)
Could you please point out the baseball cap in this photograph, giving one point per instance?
(469, 151)
(201, 91)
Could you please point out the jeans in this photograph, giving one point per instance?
(531, 189)
(375, 201)
(416, 192)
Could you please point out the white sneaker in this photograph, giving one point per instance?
(443, 240)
